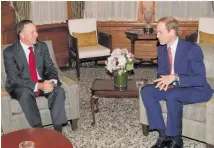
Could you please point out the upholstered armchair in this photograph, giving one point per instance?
(86, 43)
(198, 119)
(205, 29)
(12, 116)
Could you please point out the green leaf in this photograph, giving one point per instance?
(129, 65)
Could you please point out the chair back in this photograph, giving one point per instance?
(51, 52)
(82, 25)
(206, 25)
(208, 51)
(3, 73)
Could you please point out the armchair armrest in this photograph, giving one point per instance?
(4, 93)
(192, 37)
(6, 113)
(72, 45)
(105, 39)
(72, 90)
(143, 115)
(210, 121)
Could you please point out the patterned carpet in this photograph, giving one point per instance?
(117, 122)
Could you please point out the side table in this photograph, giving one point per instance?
(42, 138)
(135, 34)
(105, 88)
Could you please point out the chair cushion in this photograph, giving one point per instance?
(206, 38)
(86, 39)
(195, 112)
(41, 101)
(93, 51)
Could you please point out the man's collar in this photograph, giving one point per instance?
(24, 45)
(174, 44)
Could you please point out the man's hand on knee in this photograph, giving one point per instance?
(164, 81)
(46, 86)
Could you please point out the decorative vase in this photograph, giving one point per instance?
(148, 17)
(120, 81)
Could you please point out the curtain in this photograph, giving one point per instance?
(77, 9)
(48, 12)
(213, 5)
(22, 10)
(111, 10)
(184, 10)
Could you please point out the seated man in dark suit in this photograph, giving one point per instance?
(31, 73)
(181, 80)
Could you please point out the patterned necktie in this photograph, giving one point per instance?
(170, 60)
(32, 68)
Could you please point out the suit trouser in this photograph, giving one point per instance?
(175, 99)
(56, 105)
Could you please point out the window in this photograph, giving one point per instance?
(184, 10)
(48, 12)
(111, 10)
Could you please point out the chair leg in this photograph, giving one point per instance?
(78, 68)
(74, 124)
(209, 145)
(69, 60)
(145, 129)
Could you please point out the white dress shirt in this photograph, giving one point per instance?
(173, 50)
(27, 52)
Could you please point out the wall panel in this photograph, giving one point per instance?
(143, 49)
(58, 34)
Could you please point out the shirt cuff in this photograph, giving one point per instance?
(177, 79)
(36, 87)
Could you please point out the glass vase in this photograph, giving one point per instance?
(120, 81)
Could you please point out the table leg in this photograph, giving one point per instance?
(96, 102)
(133, 47)
(92, 109)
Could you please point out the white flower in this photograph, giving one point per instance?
(120, 61)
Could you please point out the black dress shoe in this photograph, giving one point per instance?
(176, 142)
(39, 125)
(162, 142)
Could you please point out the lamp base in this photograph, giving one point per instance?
(148, 30)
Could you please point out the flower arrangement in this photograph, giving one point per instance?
(120, 61)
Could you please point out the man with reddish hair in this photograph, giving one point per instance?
(181, 80)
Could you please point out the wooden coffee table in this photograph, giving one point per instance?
(42, 138)
(105, 88)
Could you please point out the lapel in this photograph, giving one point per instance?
(37, 56)
(180, 51)
(22, 57)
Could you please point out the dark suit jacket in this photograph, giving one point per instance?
(16, 66)
(189, 65)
